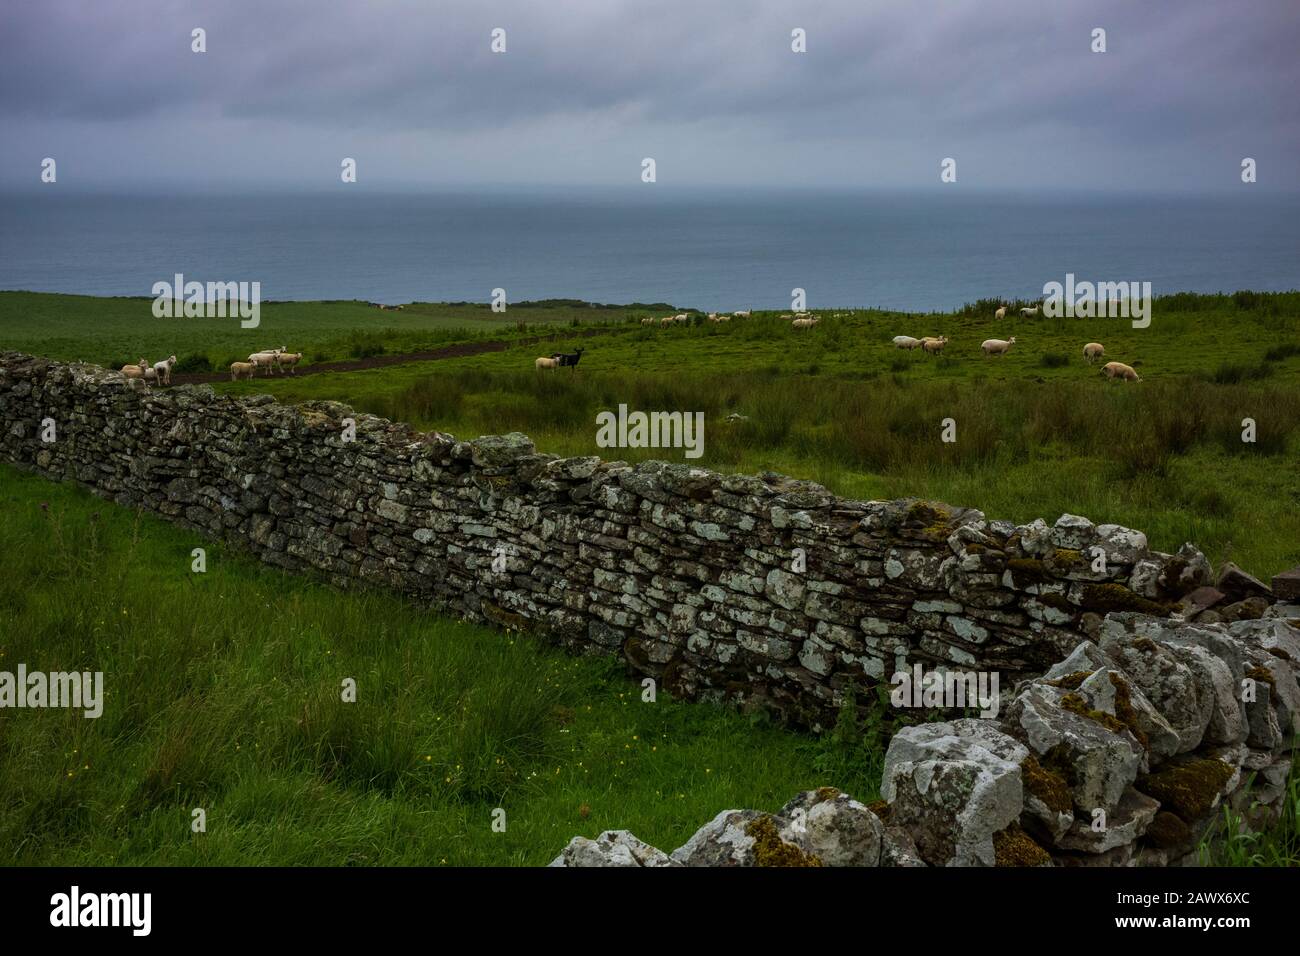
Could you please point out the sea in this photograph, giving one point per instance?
(720, 249)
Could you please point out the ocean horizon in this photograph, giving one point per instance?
(706, 248)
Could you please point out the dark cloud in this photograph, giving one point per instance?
(711, 90)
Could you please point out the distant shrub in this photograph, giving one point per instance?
(1245, 299)
(1054, 360)
(365, 346)
(1234, 373)
(1279, 352)
(194, 362)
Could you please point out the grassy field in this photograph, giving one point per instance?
(229, 681)
(117, 331)
(1039, 433)
(223, 692)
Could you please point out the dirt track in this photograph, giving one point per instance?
(458, 350)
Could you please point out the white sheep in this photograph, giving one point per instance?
(1093, 351)
(682, 318)
(290, 359)
(649, 320)
(741, 314)
(934, 345)
(545, 362)
(163, 370)
(1114, 370)
(806, 323)
(997, 346)
(135, 371)
(668, 320)
(1000, 314)
(906, 342)
(242, 370)
(719, 318)
(265, 360)
(1029, 313)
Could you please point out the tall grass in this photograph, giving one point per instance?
(222, 691)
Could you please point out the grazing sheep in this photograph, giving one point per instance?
(1093, 351)
(135, 371)
(1114, 370)
(1000, 314)
(719, 318)
(242, 370)
(741, 315)
(1029, 313)
(804, 323)
(682, 318)
(570, 359)
(265, 359)
(649, 320)
(163, 370)
(997, 346)
(906, 342)
(290, 359)
(932, 345)
(668, 320)
(542, 363)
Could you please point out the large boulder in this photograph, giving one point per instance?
(952, 786)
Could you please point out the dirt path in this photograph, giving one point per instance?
(459, 350)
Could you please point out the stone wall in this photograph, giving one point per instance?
(1124, 752)
(762, 590)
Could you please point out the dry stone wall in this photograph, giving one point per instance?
(756, 589)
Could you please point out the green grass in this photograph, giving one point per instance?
(1164, 456)
(1039, 432)
(117, 331)
(223, 692)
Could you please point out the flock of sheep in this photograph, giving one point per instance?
(158, 372)
(277, 359)
(930, 344)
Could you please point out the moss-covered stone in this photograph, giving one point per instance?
(1070, 681)
(1067, 558)
(1167, 831)
(1014, 847)
(934, 518)
(826, 793)
(771, 850)
(1075, 704)
(880, 808)
(1027, 571)
(1047, 785)
(1116, 597)
(1125, 711)
(1189, 789)
(1261, 674)
(1057, 601)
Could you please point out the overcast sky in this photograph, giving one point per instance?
(709, 88)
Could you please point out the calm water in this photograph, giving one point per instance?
(710, 250)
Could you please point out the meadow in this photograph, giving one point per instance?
(1039, 432)
(233, 703)
(223, 692)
